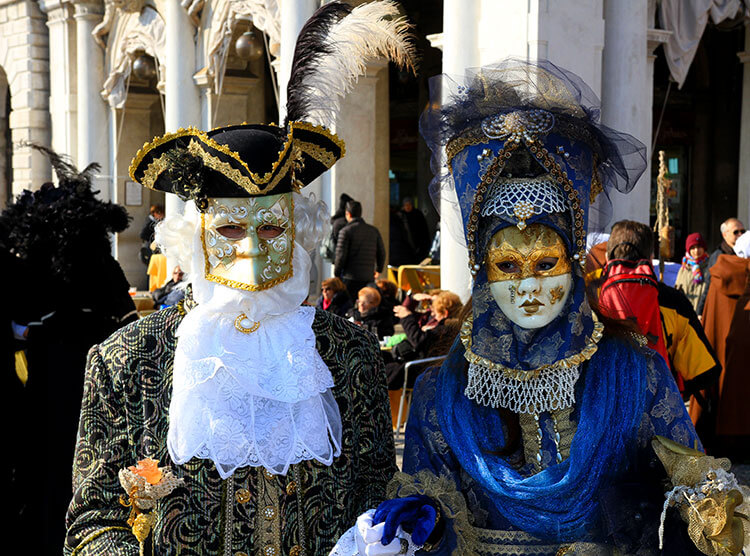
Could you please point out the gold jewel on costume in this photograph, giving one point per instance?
(241, 321)
(556, 294)
(522, 251)
(517, 125)
(249, 260)
(145, 483)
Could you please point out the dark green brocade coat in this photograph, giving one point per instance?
(124, 418)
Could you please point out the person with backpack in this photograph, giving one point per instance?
(629, 289)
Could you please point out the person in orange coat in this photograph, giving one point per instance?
(726, 317)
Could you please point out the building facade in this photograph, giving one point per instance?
(97, 78)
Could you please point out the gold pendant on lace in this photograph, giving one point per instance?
(245, 325)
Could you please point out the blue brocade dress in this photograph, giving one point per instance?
(625, 514)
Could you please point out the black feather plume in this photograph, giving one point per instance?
(311, 47)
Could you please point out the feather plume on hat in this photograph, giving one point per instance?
(332, 51)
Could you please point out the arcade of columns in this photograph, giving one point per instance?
(93, 116)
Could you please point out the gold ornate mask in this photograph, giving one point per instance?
(529, 273)
(515, 254)
(248, 242)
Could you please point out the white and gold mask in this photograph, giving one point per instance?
(248, 242)
(529, 273)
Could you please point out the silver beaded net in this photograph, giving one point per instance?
(549, 389)
(522, 198)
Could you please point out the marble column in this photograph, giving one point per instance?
(460, 51)
(294, 15)
(92, 115)
(363, 124)
(627, 93)
(62, 63)
(743, 185)
(182, 98)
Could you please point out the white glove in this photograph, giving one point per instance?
(364, 540)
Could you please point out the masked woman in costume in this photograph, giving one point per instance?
(542, 432)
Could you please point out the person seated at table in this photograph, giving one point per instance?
(172, 292)
(426, 340)
(369, 314)
(334, 297)
(388, 296)
(419, 304)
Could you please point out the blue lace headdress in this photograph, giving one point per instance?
(540, 124)
(516, 144)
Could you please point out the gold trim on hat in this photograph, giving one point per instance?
(250, 184)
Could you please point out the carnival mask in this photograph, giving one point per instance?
(248, 241)
(529, 273)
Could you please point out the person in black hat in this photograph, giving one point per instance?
(240, 421)
(65, 292)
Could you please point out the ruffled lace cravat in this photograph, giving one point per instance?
(258, 399)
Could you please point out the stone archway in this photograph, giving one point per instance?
(24, 58)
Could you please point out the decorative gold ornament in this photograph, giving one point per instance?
(515, 254)
(556, 294)
(245, 329)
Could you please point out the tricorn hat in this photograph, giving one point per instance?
(254, 160)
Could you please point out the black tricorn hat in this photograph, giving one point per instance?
(236, 161)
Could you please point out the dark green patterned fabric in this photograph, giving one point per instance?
(124, 418)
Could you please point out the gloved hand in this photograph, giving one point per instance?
(415, 514)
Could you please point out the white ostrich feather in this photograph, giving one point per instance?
(364, 35)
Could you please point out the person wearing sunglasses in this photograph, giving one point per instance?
(731, 230)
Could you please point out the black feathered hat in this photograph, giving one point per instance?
(253, 160)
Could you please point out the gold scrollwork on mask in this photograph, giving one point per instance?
(515, 254)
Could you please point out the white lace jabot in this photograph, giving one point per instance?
(258, 399)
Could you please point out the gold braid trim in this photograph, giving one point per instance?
(453, 504)
(320, 130)
(468, 138)
(519, 374)
(96, 534)
(322, 155)
(156, 142)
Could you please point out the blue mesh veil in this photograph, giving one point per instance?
(458, 107)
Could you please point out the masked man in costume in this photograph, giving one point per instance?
(543, 431)
(269, 420)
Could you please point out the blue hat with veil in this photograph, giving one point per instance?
(514, 144)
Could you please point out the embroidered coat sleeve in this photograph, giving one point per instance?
(376, 461)
(96, 520)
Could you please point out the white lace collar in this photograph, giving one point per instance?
(257, 399)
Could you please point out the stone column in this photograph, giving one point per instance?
(24, 57)
(92, 111)
(182, 100)
(460, 51)
(62, 97)
(627, 93)
(363, 125)
(294, 14)
(743, 185)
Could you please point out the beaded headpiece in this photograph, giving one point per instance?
(537, 111)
